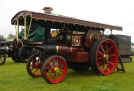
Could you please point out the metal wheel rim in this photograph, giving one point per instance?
(35, 67)
(55, 70)
(107, 57)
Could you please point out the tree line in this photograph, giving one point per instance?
(9, 37)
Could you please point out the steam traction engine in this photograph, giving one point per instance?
(63, 42)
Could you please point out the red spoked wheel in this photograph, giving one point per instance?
(54, 69)
(34, 66)
(105, 56)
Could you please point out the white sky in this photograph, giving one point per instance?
(113, 12)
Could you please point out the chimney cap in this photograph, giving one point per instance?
(48, 9)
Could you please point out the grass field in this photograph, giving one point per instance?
(13, 77)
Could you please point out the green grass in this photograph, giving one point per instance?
(13, 77)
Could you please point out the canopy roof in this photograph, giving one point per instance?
(63, 19)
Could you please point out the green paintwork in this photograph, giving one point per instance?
(37, 35)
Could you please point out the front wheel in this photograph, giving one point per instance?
(54, 69)
(104, 56)
(34, 66)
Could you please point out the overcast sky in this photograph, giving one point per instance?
(113, 12)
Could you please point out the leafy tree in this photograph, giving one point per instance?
(11, 37)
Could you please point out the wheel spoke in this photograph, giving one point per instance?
(106, 49)
(112, 64)
(102, 49)
(52, 65)
(110, 48)
(100, 53)
(55, 74)
(57, 63)
(103, 67)
(113, 57)
(100, 62)
(108, 70)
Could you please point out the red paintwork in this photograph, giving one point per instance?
(50, 69)
(79, 57)
(107, 47)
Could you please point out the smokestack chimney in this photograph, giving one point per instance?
(48, 10)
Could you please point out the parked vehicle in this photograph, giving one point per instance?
(55, 42)
(11, 49)
(3, 51)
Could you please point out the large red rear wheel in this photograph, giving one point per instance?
(54, 69)
(104, 56)
(34, 66)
